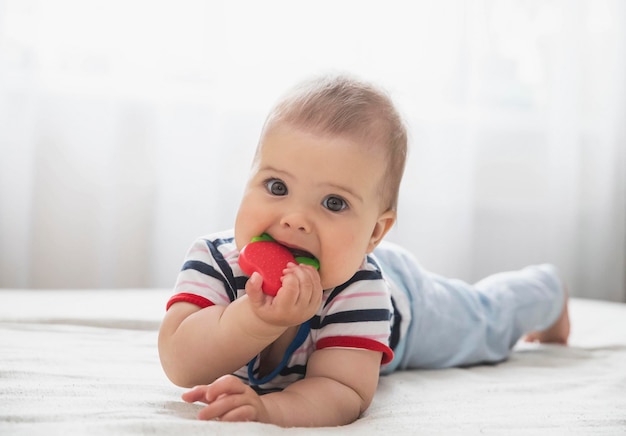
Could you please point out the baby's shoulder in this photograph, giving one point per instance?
(219, 242)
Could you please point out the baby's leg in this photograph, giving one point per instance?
(455, 323)
(557, 333)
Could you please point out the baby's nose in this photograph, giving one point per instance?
(296, 221)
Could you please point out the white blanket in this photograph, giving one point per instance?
(86, 363)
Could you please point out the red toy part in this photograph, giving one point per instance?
(269, 259)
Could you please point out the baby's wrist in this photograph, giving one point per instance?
(257, 326)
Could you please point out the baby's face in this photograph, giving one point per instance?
(319, 194)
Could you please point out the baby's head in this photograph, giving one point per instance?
(350, 108)
(326, 174)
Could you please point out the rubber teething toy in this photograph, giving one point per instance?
(269, 258)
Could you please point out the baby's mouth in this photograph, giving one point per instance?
(303, 256)
(299, 253)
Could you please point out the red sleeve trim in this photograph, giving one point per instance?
(356, 342)
(189, 298)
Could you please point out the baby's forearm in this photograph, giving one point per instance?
(339, 386)
(198, 346)
(315, 402)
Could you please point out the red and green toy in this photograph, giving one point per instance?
(269, 258)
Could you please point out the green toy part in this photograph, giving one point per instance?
(308, 261)
(263, 237)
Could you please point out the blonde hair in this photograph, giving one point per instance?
(343, 105)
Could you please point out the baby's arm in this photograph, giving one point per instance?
(196, 346)
(338, 387)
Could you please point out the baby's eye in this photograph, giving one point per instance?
(334, 203)
(276, 187)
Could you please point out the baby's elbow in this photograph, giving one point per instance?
(364, 398)
(185, 377)
(180, 366)
(171, 362)
(170, 370)
(170, 367)
(178, 378)
(174, 352)
(175, 370)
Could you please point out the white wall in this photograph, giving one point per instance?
(127, 127)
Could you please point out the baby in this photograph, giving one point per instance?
(324, 181)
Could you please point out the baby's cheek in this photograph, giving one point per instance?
(331, 278)
(338, 270)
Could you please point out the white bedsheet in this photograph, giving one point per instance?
(86, 363)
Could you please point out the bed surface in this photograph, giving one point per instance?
(86, 363)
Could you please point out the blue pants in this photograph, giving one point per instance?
(453, 323)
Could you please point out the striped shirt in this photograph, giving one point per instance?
(357, 314)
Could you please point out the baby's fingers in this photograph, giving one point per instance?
(198, 393)
(307, 279)
(254, 289)
(234, 407)
(228, 399)
(226, 384)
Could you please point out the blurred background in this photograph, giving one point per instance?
(127, 128)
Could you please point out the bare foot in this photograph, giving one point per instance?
(558, 333)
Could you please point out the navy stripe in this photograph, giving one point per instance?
(363, 315)
(315, 322)
(240, 282)
(395, 328)
(231, 285)
(203, 268)
(357, 277)
(263, 391)
(296, 369)
(221, 241)
(371, 260)
(243, 379)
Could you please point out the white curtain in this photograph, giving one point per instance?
(127, 128)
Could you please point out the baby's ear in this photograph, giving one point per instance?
(383, 225)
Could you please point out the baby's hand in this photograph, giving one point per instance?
(228, 399)
(298, 300)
